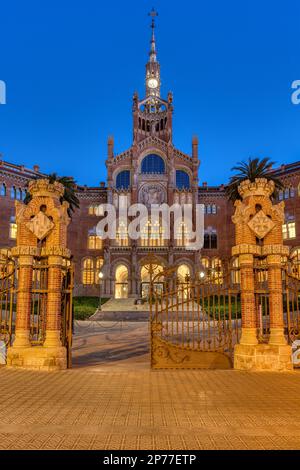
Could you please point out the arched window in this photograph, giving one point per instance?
(210, 240)
(152, 234)
(93, 210)
(13, 192)
(153, 164)
(217, 271)
(19, 194)
(88, 271)
(13, 228)
(122, 234)
(182, 236)
(205, 263)
(182, 180)
(2, 189)
(123, 180)
(94, 241)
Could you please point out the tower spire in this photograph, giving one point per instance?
(153, 13)
(152, 67)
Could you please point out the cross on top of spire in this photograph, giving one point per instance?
(153, 13)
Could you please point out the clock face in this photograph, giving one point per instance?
(152, 83)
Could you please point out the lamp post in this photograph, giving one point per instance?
(101, 275)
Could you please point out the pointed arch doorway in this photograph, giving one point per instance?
(148, 271)
(121, 282)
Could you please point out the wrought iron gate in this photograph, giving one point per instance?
(195, 325)
(7, 299)
(39, 295)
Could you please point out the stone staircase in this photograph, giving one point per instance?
(122, 309)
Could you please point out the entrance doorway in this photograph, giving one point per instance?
(121, 282)
(146, 276)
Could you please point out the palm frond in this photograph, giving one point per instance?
(69, 192)
(250, 170)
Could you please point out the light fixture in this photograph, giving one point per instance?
(101, 275)
(202, 274)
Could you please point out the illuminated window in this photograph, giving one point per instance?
(205, 263)
(217, 271)
(93, 210)
(122, 234)
(13, 231)
(296, 263)
(182, 238)
(94, 242)
(289, 230)
(88, 272)
(153, 164)
(182, 180)
(123, 180)
(152, 234)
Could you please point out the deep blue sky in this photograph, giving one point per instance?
(71, 68)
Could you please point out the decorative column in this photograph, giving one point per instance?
(275, 300)
(249, 327)
(258, 225)
(24, 295)
(53, 321)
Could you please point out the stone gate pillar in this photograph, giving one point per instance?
(41, 236)
(258, 226)
(275, 300)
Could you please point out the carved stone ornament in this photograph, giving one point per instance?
(40, 225)
(261, 225)
(152, 194)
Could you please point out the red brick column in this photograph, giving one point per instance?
(53, 322)
(275, 300)
(23, 302)
(249, 331)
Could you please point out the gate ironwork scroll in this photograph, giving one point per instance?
(195, 324)
(291, 301)
(39, 296)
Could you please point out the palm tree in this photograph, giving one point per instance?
(69, 194)
(250, 170)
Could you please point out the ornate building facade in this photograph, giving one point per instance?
(152, 171)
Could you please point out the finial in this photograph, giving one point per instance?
(153, 14)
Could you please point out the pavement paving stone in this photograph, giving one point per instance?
(115, 401)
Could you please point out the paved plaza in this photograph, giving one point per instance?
(112, 400)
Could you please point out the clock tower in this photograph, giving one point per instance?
(152, 116)
(151, 172)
